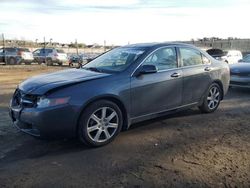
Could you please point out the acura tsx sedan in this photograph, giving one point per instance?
(118, 88)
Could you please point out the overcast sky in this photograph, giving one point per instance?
(123, 21)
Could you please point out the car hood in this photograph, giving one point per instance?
(41, 84)
(240, 68)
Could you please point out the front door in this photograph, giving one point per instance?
(160, 91)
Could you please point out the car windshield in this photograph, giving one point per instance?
(246, 59)
(115, 60)
(24, 50)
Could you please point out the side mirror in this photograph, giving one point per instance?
(147, 69)
(241, 60)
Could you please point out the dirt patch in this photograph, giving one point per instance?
(188, 149)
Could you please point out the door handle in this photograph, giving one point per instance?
(207, 69)
(176, 75)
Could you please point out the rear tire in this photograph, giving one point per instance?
(11, 61)
(100, 123)
(211, 99)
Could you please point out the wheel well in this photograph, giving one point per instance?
(114, 100)
(221, 87)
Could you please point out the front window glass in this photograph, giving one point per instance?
(190, 57)
(115, 60)
(163, 59)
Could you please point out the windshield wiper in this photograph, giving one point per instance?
(92, 69)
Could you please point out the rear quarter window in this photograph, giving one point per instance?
(205, 60)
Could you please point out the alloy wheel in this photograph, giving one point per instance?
(213, 98)
(102, 124)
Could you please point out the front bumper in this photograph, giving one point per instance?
(59, 60)
(56, 122)
(238, 81)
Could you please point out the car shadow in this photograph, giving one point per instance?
(30, 148)
(184, 113)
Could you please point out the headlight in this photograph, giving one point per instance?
(44, 102)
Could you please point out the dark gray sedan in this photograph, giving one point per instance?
(121, 87)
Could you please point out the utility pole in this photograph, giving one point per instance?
(44, 42)
(76, 47)
(104, 45)
(50, 41)
(3, 40)
(4, 48)
(45, 59)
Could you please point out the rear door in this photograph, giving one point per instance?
(160, 91)
(196, 69)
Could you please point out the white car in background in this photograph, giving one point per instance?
(232, 56)
(50, 56)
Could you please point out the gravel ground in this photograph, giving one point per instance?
(188, 149)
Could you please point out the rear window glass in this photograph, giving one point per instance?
(24, 49)
(10, 49)
(60, 51)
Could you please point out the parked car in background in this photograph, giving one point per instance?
(240, 73)
(14, 55)
(230, 57)
(49, 56)
(77, 60)
(246, 59)
(216, 53)
(123, 86)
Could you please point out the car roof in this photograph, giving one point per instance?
(155, 44)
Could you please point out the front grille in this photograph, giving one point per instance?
(20, 99)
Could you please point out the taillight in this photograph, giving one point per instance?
(19, 52)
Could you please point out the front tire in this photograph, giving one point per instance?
(100, 123)
(211, 99)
